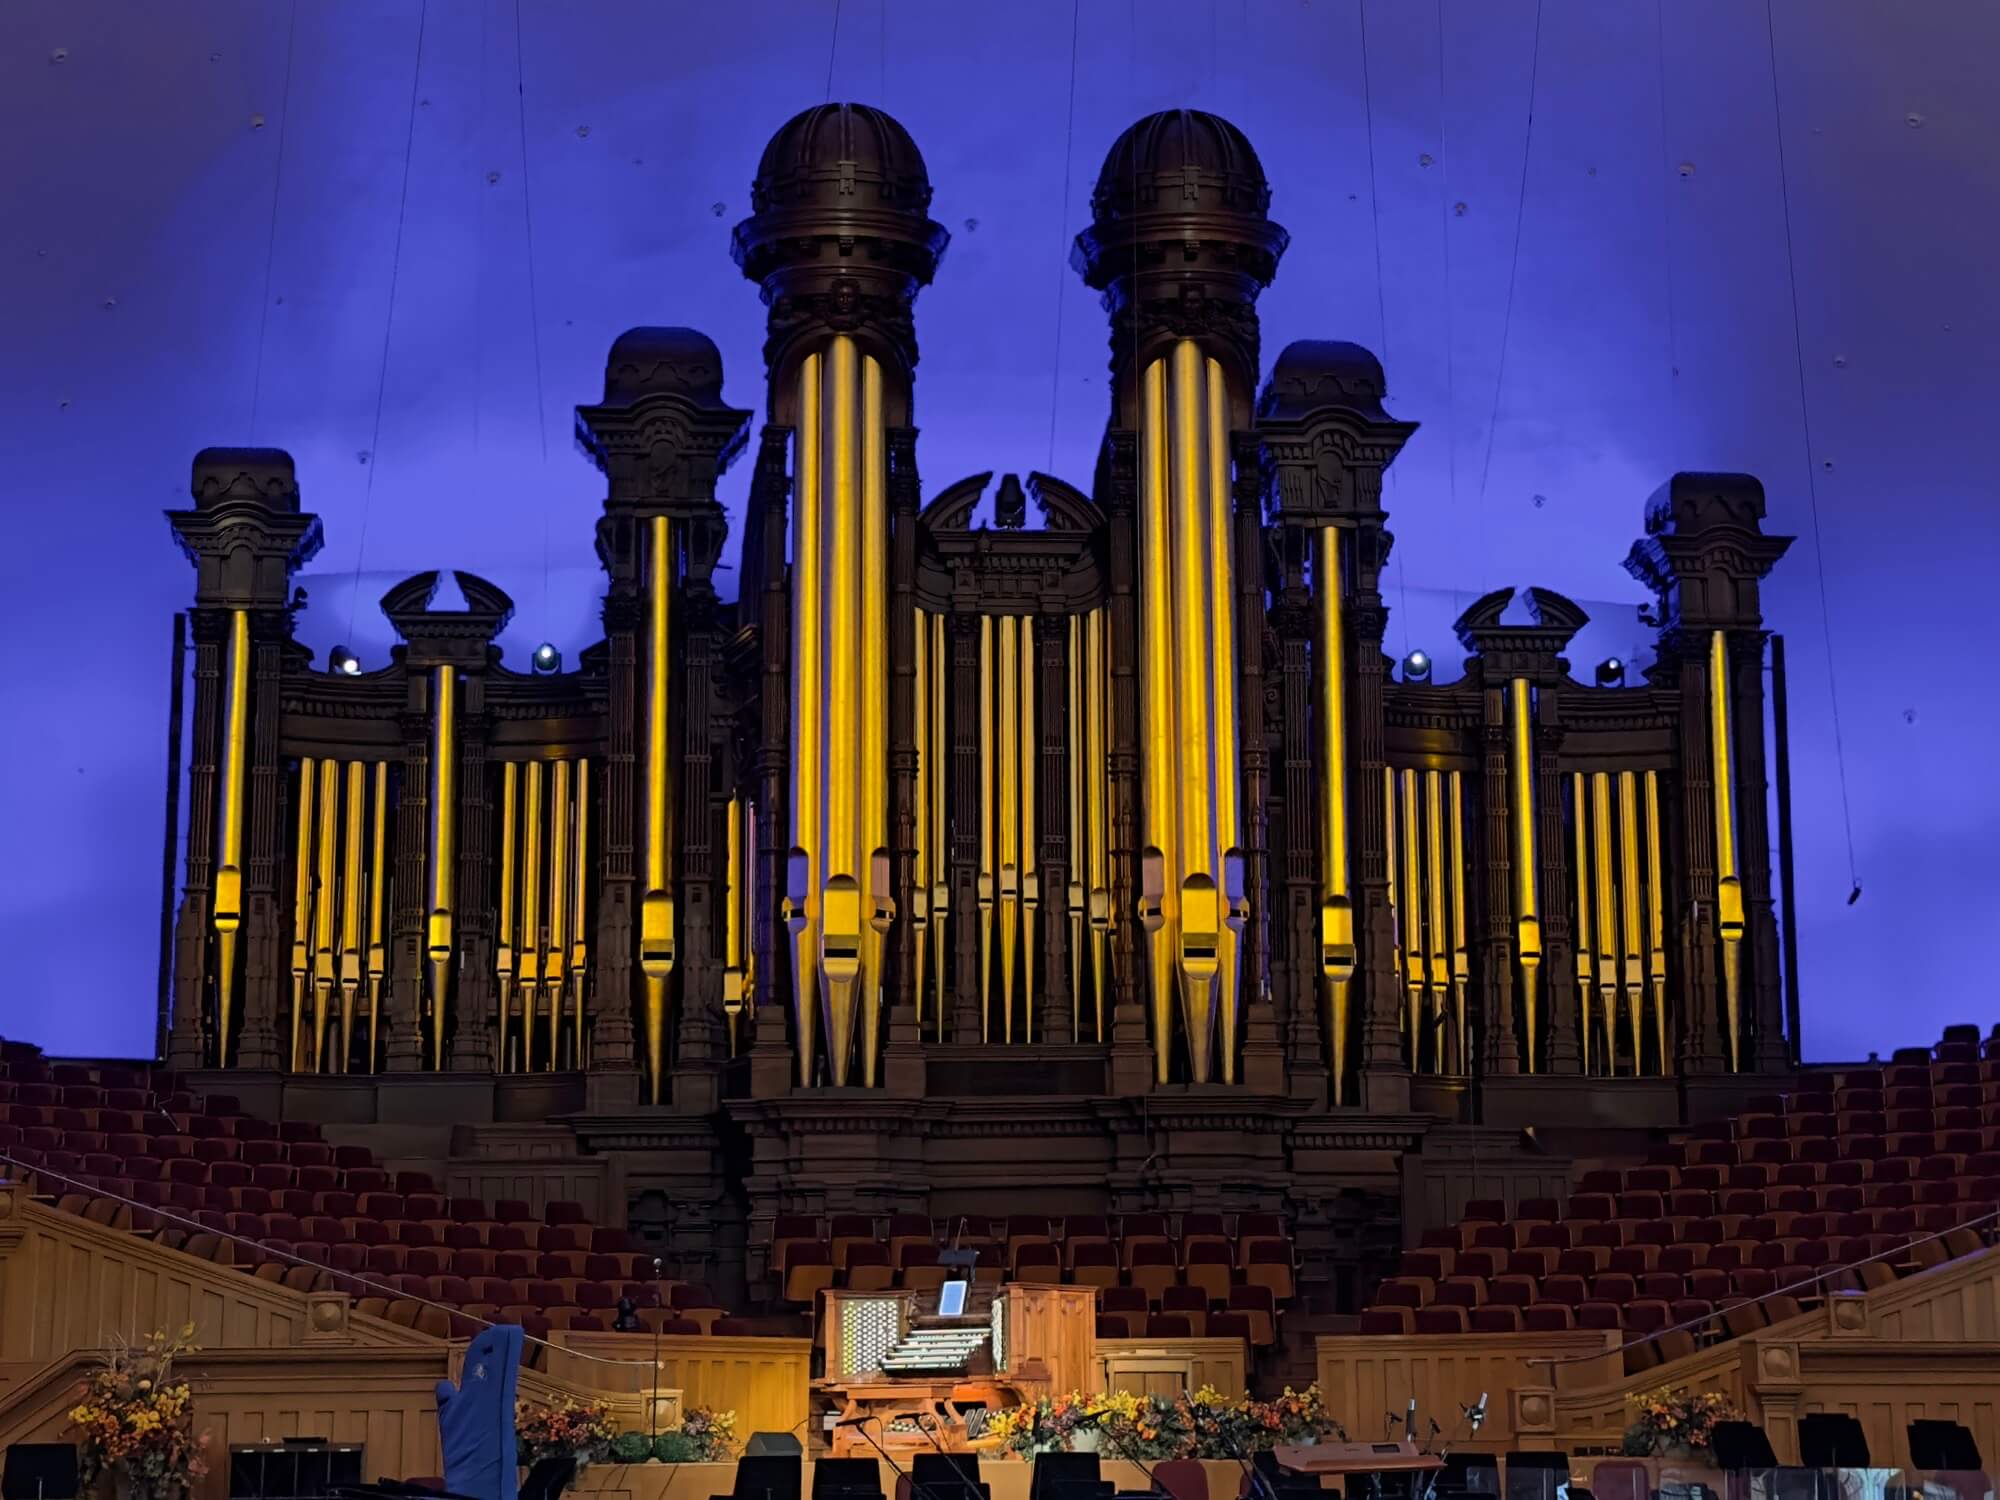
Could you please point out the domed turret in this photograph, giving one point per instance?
(1314, 373)
(680, 360)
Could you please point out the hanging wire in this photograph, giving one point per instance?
(1667, 232)
(534, 301)
(479, 251)
(1812, 479)
(271, 239)
(389, 322)
(832, 50)
(1450, 331)
(1381, 286)
(1514, 261)
(1062, 257)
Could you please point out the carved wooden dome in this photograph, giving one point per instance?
(1183, 160)
(833, 152)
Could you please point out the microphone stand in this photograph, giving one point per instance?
(860, 1424)
(653, 1400)
(972, 1486)
(1129, 1456)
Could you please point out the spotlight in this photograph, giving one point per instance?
(547, 658)
(344, 661)
(1611, 672)
(1417, 667)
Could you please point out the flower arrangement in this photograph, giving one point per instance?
(568, 1428)
(136, 1417)
(1672, 1420)
(1121, 1424)
(705, 1436)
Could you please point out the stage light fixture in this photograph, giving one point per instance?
(344, 661)
(547, 658)
(1417, 667)
(1611, 672)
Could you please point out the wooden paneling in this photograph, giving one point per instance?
(1056, 1325)
(1166, 1367)
(1366, 1376)
(538, 1183)
(762, 1380)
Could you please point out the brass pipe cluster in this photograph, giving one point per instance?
(1728, 886)
(1009, 888)
(1431, 915)
(340, 871)
(1527, 923)
(1192, 900)
(840, 905)
(1620, 922)
(541, 946)
(1089, 834)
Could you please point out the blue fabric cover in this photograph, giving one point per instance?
(476, 1418)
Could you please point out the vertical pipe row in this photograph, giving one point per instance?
(1222, 701)
(1527, 924)
(1028, 719)
(542, 950)
(873, 851)
(443, 850)
(1097, 769)
(302, 908)
(228, 909)
(531, 908)
(326, 973)
(1632, 971)
(1607, 915)
(1079, 820)
(1621, 920)
(503, 938)
(1413, 917)
(555, 963)
(920, 882)
(1435, 937)
(1461, 958)
(1656, 923)
(808, 710)
(378, 883)
(350, 909)
(732, 918)
(1159, 884)
(1009, 814)
(1728, 887)
(989, 849)
(934, 772)
(1585, 953)
(339, 882)
(579, 953)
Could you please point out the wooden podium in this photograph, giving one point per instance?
(901, 1373)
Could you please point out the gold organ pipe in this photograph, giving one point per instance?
(920, 882)
(350, 908)
(325, 974)
(1580, 797)
(841, 951)
(940, 891)
(656, 906)
(302, 889)
(1628, 892)
(1076, 732)
(503, 950)
(1413, 916)
(1222, 693)
(1656, 925)
(1200, 915)
(579, 951)
(1098, 773)
(808, 703)
(531, 907)
(1394, 857)
(1728, 888)
(1160, 751)
(1461, 966)
(874, 709)
(228, 909)
(1607, 914)
(1527, 924)
(1010, 818)
(555, 966)
(444, 850)
(1336, 922)
(1030, 882)
(1435, 936)
(732, 922)
(378, 881)
(989, 849)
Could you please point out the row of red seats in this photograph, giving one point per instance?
(809, 1267)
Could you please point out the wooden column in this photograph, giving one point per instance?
(1117, 487)
(965, 750)
(186, 1045)
(698, 967)
(404, 1049)
(772, 1067)
(613, 991)
(1385, 1079)
(1264, 1054)
(266, 971)
(1298, 976)
(1502, 1057)
(1052, 791)
(1764, 986)
(1694, 818)
(1552, 846)
(903, 1061)
(470, 1041)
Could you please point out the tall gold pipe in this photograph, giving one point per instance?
(732, 921)
(1161, 749)
(531, 908)
(378, 881)
(555, 966)
(1336, 922)
(444, 850)
(874, 708)
(1222, 695)
(1010, 818)
(1390, 794)
(920, 881)
(989, 848)
(326, 973)
(1607, 915)
(1413, 910)
(1527, 924)
(1628, 892)
(841, 924)
(1200, 864)
(941, 835)
(1435, 937)
(503, 944)
(1728, 888)
(656, 906)
(1076, 734)
(1656, 926)
(1461, 964)
(302, 907)
(808, 701)
(1580, 799)
(1031, 887)
(579, 946)
(1098, 772)
(350, 908)
(228, 910)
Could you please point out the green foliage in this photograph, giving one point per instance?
(631, 1448)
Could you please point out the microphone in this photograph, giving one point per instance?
(853, 1421)
(1479, 1412)
(1410, 1422)
(1389, 1424)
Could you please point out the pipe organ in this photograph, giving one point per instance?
(1008, 782)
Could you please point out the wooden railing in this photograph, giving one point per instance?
(1166, 1367)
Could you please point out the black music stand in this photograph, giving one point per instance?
(40, 1471)
(1937, 1444)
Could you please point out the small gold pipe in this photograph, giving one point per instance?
(1656, 954)
(1461, 958)
(302, 907)
(378, 882)
(656, 906)
(920, 880)
(808, 704)
(579, 947)
(1336, 897)
(1628, 891)
(732, 921)
(1607, 915)
(228, 909)
(841, 940)
(874, 744)
(1200, 864)
(989, 849)
(503, 949)
(1413, 914)
(1728, 888)
(326, 974)
(444, 850)
(1030, 882)
(940, 891)
(1160, 750)
(1527, 924)
(1580, 799)
(350, 910)
(1222, 696)
(1076, 734)
(531, 908)
(1435, 939)
(554, 967)
(1098, 773)
(1010, 818)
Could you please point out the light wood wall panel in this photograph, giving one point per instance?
(1364, 1377)
(763, 1380)
(1166, 1367)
